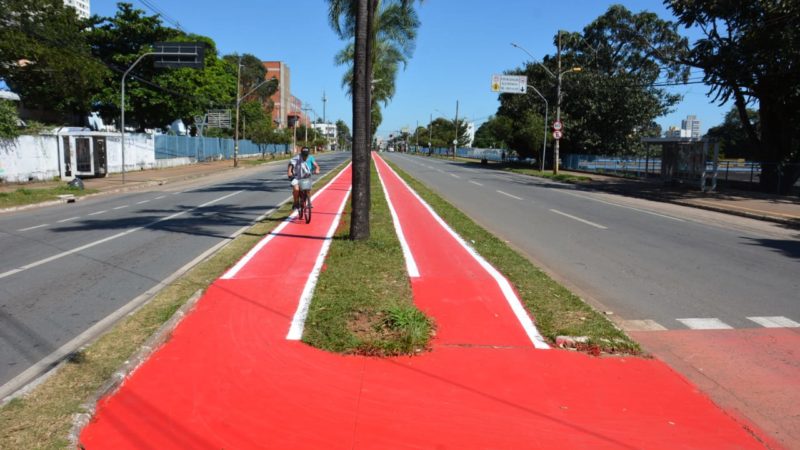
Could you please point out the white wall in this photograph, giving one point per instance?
(38, 158)
(28, 158)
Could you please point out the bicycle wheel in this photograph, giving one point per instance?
(301, 204)
(307, 208)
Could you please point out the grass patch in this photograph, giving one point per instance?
(43, 418)
(26, 196)
(266, 159)
(563, 177)
(363, 302)
(557, 311)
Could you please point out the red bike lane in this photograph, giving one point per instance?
(229, 378)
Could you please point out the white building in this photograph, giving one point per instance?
(82, 7)
(327, 129)
(692, 126)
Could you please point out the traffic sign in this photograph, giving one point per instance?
(510, 84)
(556, 134)
(557, 125)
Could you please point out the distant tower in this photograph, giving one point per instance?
(324, 102)
(691, 127)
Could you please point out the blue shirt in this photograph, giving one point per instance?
(310, 162)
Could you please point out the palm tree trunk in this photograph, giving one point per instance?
(360, 202)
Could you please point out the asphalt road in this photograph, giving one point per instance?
(654, 265)
(64, 269)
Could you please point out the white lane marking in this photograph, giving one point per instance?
(509, 195)
(142, 202)
(161, 196)
(508, 292)
(219, 199)
(98, 212)
(705, 323)
(475, 183)
(775, 322)
(177, 193)
(623, 206)
(33, 228)
(454, 175)
(104, 240)
(49, 363)
(257, 248)
(579, 219)
(120, 207)
(642, 325)
(411, 264)
(67, 220)
(440, 170)
(299, 318)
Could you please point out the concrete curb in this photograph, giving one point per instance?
(795, 223)
(153, 343)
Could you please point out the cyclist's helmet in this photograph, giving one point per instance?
(304, 152)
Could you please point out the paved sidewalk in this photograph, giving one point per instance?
(229, 378)
(782, 209)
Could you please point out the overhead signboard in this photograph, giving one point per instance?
(176, 55)
(510, 84)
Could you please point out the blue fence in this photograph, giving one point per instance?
(470, 153)
(205, 148)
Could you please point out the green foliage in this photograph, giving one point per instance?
(612, 101)
(497, 132)
(342, 134)
(442, 132)
(732, 136)
(45, 56)
(395, 32)
(750, 53)
(8, 120)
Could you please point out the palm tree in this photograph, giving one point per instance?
(355, 19)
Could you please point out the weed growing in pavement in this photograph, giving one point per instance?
(556, 310)
(363, 302)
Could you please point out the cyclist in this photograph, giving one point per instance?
(300, 167)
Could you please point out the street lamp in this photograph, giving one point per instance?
(558, 91)
(544, 139)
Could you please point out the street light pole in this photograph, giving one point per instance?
(430, 134)
(238, 103)
(455, 141)
(122, 103)
(544, 139)
(558, 105)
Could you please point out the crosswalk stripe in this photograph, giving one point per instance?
(705, 323)
(775, 322)
(642, 325)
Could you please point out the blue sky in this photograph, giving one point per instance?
(461, 43)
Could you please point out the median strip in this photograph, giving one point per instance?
(557, 311)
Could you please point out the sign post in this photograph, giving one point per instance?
(518, 84)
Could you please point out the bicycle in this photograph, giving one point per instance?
(304, 200)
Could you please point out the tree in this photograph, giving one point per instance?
(732, 135)
(45, 57)
(156, 97)
(8, 120)
(750, 53)
(342, 134)
(356, 19)
(497, 132)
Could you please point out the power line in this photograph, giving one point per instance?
(160, 12)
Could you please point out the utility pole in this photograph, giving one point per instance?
(416, 137)
(455, 141)
(558, 105)
(238, 102)
(324, 104)
(430, 134)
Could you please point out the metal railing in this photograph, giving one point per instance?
(207, 149)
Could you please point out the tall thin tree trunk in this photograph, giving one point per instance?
(359, 225)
